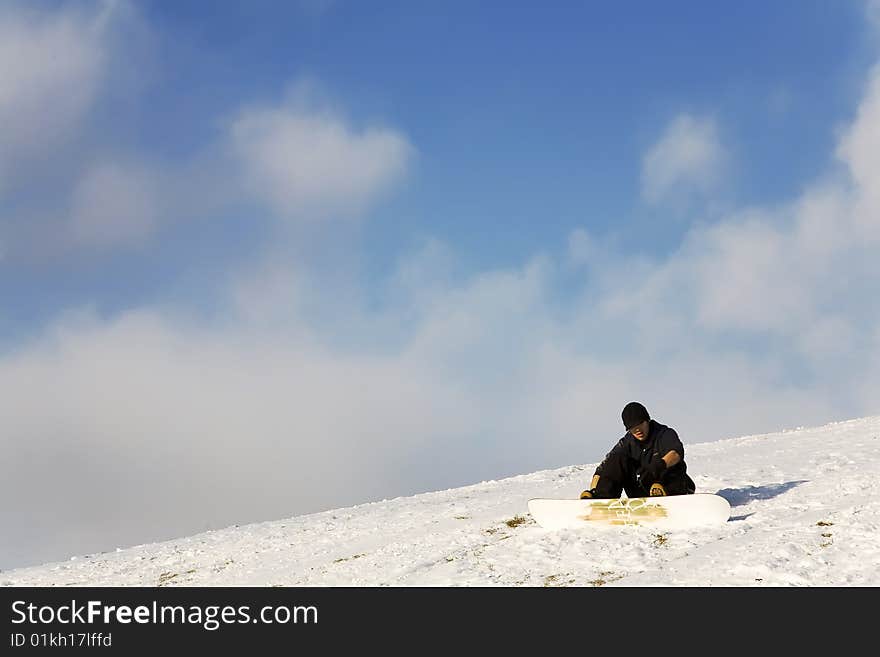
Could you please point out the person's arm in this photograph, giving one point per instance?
(591, 491)
(620, 446)
(670, 447)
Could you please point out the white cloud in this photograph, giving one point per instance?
(144, 426)
(309, 164)
(57, 67)
(860, 145)
(51, 69)
(748, 277)
(688, 157)
(583, 248)
(872, 10)
(301, 159)
(859, 149)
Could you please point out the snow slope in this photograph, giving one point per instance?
(805, 512)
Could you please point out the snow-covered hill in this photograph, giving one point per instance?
(805, 512)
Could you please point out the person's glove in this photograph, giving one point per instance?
(652, 472)
(657, 490)
(588, 494)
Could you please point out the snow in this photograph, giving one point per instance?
(805, 512)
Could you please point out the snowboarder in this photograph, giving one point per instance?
(648, 461)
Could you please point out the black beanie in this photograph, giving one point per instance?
(634, 413)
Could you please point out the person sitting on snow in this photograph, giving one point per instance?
(648, 461)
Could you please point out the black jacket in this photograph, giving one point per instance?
(661, 440)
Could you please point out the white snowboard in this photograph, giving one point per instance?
(670, 512)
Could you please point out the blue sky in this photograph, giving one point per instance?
(395, 247)
(528, 121)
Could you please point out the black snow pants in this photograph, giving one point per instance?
(618, 473)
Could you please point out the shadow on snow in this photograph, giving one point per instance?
(740, 496)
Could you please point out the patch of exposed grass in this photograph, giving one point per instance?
(604, 577)
(555, 580)
(166, 577)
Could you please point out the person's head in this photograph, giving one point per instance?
(636, 420)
